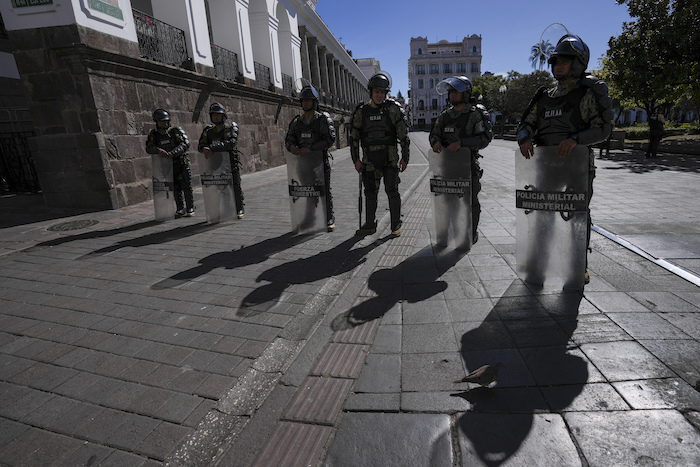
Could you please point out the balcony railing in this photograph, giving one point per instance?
(161, 42)
(287, 85)
(262, 76)
(225, 63)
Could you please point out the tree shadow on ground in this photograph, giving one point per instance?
(634, 162)
(413, 280)
(530, 333)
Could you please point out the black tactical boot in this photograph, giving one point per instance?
(367, 229)
(370, 225)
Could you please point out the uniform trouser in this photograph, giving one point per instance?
(237, 190)
(653, 145)
(330, 218)
(371, 180)
(182, 181)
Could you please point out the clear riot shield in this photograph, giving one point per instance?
(307, 192)
(163, 188)
(217, 187)
(451, 185)
(551, 220)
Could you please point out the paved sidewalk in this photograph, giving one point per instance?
(135, 343)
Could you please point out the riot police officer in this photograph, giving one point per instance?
(577, 110)
(313, 131)
(223, 137)
(378, 126)
(463, 124)
(172, 142)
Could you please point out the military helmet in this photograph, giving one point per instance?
(380, 80)
(308, 92)
(160, 115)
(571, 46)
(217, 108)
(458, 83)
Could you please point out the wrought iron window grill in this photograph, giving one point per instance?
(262, 76)
(225, 63)
(161, 42)
(287, 85)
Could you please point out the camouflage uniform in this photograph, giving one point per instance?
(471, 126)
(175, 142)
(378, 131)
(225, 140)
(317, 134)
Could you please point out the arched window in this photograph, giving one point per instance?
(421, 105)
(420, 84)
(420, 51)
(474, 49)
(432, 83)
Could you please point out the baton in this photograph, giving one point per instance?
(359, 199)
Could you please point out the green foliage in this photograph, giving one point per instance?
(656, 59)
(519, 90)
(641, 130)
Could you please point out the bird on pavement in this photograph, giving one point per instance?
(484, 375)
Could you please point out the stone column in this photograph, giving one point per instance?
(333, 83)
(323, 66)
(305, 58)
(313, 60)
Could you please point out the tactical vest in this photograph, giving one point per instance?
(455, 127)
(308, 133)
(377, 128)
(559, 117)
(167, 141)
(213, 136)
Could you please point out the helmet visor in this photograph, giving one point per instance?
(446, 85)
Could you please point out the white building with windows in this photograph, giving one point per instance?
(429, 64)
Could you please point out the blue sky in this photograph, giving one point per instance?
(509, 28)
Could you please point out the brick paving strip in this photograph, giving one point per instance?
(306, 424)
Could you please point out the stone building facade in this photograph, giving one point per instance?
(429, 64)
(93, 71)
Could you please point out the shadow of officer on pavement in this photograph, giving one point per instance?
(338, 260)
(244, 256)
(530, 334)
(389, 287)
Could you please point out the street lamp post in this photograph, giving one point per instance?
(503, 90)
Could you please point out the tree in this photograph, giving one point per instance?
(655, 59)
(539, 54)
(520, 89)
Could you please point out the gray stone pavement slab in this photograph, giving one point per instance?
(396, 440)
(530, 439)
(670, 393)
(637, 437)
